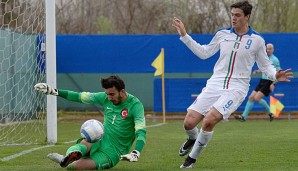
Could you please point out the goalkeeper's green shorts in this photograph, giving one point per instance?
(103, 153)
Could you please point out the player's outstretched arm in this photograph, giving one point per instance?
(132, 157)
(46, 89)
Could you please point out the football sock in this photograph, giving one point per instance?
(193, 133)
(78, 147)
(249, 105)
(200, 144)
(265, 105)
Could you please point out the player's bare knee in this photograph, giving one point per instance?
(210, 121)
(191, 120)
(208, 125)
(251, 98)
(188, 125)
(257, 99)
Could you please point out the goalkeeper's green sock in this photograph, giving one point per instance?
(78, 147)
(265, 105)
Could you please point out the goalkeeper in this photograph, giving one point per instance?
(124, 122)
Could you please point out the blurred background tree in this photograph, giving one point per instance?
(155, 16)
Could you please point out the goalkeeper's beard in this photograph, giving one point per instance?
(117, 101)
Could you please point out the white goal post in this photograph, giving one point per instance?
(51, 71)
(27, 56)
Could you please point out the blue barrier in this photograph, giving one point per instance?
(135, 53)
(180, 93)
(90, 54)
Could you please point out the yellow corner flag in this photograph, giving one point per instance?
(275, 106)
(158, 63)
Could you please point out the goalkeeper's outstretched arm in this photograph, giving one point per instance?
(46, 89)
(66, 94)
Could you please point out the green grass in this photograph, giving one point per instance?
(253, 145)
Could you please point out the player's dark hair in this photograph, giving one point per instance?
(112, 81)
(244, 5)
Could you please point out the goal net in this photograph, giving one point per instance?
(22, 65)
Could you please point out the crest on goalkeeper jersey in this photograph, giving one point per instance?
(124, 113)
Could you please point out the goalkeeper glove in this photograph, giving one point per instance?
(132, 157)
(46, 89)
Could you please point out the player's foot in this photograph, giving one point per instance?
(55, 157)
(186, 146)
(71, 157)
(188, 163)
(240, 118)
(271, 117)
(64, 160)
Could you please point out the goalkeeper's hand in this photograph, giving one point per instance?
(46, 89)
(132, 157)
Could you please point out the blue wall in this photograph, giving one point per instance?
(132, 55)
(135, 53)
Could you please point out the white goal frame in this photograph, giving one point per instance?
(51, 71)
(27, 57)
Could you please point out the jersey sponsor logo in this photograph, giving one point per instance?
(109, 108)
(124, 113)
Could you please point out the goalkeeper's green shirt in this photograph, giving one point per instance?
(123, 123)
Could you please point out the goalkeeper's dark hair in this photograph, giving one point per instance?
(112, 81)
(244, 5)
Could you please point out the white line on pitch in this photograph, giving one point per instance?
(24, 152)
(160, 124)
(38, 148)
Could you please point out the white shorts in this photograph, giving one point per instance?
(225, 101)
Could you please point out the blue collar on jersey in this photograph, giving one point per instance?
(248, 33)
(272, 56)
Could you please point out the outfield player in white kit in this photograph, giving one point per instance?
(240, 47)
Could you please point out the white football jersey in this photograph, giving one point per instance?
(238, 53)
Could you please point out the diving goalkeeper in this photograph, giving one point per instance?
(124, 122)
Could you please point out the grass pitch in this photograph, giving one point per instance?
(252, 145)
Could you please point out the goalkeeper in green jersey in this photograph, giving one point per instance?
(124, 122)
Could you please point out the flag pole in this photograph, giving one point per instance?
(163, 97)
(158, 64)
